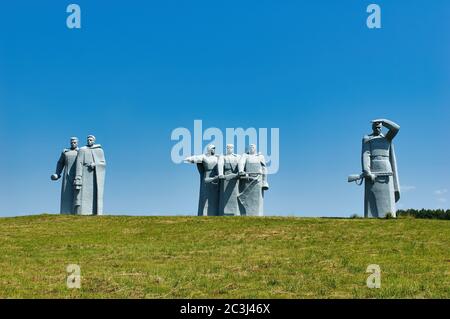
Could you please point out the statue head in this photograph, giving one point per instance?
(376, 128)
(252, 149)
(230, 149)
(211, 149)
(73, 143)
(90, 140)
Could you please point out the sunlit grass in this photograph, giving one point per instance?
(194, 257)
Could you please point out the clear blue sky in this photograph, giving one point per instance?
(138, 69)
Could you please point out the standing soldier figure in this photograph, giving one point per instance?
(208, 204)
(66, 167)
(90, 178)
(229, 182)
(253, 182)
(379, 165)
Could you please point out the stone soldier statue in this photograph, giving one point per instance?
(208, 204)
(90, 178)
(379, 166)
(253, 182)
(66, 167)
(229, 182)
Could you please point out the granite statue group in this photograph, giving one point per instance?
(83, 178)
(232, 184)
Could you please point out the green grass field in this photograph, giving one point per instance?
(193, 257)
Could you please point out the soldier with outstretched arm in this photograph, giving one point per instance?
(65, 168)
(208, 204)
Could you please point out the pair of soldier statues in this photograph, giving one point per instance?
(231, 184)
(83, 178)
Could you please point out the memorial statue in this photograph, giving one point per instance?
(90, 179)
(66, 167)
(208, 204)
(379, 170)
(229, 182)
(252, 183)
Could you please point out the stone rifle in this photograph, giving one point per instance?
(358, 178)
(229, 177)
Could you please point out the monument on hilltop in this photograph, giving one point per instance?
(231, 184)
(379, 170)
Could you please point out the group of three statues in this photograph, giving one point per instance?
(231, 184)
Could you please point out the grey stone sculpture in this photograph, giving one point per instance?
(90, 179)
(379, 166)
(229, 182)
(253, 182)
(208, 204)
(66, 167)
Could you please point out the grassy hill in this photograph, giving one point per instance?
(192, 257)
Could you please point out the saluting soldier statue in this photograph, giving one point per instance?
(379, 170)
